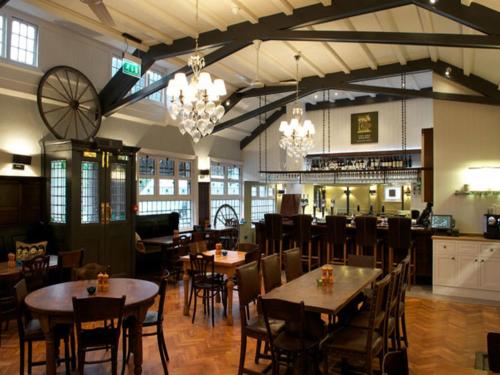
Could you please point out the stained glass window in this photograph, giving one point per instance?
(118, 192)
(167, 167)
(58, 191)
(90, 192)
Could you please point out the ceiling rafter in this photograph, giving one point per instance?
(335, 56)
(3, 3)
(262, 127)
(370, 59)
(209, 16)
(244, 11)
(386, 23)
(305, 59)
(427, 25)
(284, 6)
(173, 21)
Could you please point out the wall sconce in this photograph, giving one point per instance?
(373, 190)
(407, 191)
(203, 175)
(347, 191)
(281, 191)
(20, 161)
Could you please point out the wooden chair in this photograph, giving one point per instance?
(361, 343)
(366, 238)
(36, 272)
(30, 331)
(274, 234)
(271, 272)
(365, 261)
(173, 264)
(296, 346)
(400, 244)
(401, 332)
(206, 284)
(8, 309)
(93, 310)
(303, 238)
(152, 319)
(67, 261)
(198, 247)
(336, 239)
(396, 363)
(293, 264)
(254, 327)
(89, 271)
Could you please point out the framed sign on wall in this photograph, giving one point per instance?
(364, 127)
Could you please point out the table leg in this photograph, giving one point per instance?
(230, 286)
(186, 292)
(137, 345)
(50, 346)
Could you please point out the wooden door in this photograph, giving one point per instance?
(118, 232)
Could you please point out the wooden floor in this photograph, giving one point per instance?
(444, 336)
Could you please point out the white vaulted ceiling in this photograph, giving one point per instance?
(160, 21)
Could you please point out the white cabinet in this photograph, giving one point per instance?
(466, 268)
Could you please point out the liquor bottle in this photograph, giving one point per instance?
(409, 162)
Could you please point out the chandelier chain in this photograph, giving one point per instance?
(329, 123)
(324, 125)
(265, 135)
(403, 117)
(260, 136)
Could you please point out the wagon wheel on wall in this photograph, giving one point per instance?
(69, 104)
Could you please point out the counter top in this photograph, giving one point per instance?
(465, 237)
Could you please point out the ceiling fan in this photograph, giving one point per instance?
(100, 10)
(257, 83)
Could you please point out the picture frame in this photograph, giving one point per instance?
(364, 127)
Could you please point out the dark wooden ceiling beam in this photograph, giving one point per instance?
(3, 3)
(475, 16)
(359, 100)
(211, 58)
(399, 38)
(305, 16)
(262, 127)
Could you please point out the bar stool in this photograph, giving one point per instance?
(274, 233)
(336, 239)
(302, 235)
(366, 237)
(400, 244)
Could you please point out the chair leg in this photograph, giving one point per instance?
(30, 356)
(281, 254)
(66, 356)
(194, 309)
(163, 343)
(309, 256)
(81, 361)
(403, 325)
(124, 350)
(243, 349)
(73, 349)
(114, 360)
(212, 302)
(328, 248)
(21, 357)
(345, 253)
(162, 349)
(325, 362)
(257, 351)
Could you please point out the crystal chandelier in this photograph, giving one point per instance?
(297, 135)
(196, 103)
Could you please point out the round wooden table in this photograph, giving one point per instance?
(54, 305)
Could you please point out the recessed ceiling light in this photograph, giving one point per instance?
(447, 72)
(336, 93)
(433, 1)
(316, 96)
(228, 102)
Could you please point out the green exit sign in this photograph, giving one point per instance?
(131, 68)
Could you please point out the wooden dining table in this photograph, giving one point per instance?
(53, 305)
(166, 241)
(330, 298)
(6, 271)
(225, 264)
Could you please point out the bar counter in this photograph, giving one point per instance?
(421, 235)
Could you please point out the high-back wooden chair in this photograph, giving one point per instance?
(303, 239)
(336, 239)
(293, 264)
(271, 272)
(68, 261)
(366, 238)
(36, 272)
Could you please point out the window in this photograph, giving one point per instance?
(23, 42)
(164, 187)
(90, 192)
(2, 36)
(58, 191)
(225, 188)
(147, 79)
(263, 201)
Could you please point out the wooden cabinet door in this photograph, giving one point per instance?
(445, 270)
(490, 273)
(468, 272)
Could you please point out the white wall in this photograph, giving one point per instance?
(465, 135)
(419, 115)
(142, 124)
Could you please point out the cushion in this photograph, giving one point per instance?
(29, 250)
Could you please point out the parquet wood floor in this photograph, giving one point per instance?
(444, 335)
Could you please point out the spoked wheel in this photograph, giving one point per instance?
(69, 104)
(227, 220)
